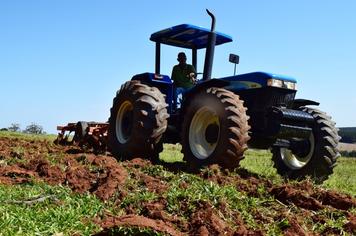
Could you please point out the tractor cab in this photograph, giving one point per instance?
(183, 36)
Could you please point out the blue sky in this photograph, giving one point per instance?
(63, 61)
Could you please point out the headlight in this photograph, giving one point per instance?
(281, 84)
(275, 83)
(290, 85)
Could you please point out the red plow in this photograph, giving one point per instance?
(87, 135)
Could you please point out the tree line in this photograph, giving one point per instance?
(348, 153)
(348, 134)
(32, 128)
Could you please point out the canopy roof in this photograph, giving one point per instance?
(187, 36)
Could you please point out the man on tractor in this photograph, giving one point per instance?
(183, 75)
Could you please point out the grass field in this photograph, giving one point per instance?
(259, 162)
(212, 199)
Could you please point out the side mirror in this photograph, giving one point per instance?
(233, 58)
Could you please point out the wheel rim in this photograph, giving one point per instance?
(204, 133)
(124, 122)
(294, 161)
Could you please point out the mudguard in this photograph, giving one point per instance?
(296, 103)
(233, 86)
(204, 85)
(162, 82)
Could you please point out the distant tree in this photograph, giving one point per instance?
(348, 154)
(348, 134)
(34, 128)
(14, 127)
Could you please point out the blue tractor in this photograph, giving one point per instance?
(220, 117)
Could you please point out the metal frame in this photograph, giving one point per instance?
(158, 58)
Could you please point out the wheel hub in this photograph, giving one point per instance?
(204, 132)
(124, 122)
(212, 133)
(299, 154)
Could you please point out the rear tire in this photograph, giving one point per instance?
(319, 161)
(215, 129)
(137, 121)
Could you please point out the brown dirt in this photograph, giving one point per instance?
(101, 175)
(347, 147)
(137, 221)
(15, 175)
(112, 177)
(244, 181)
(50, 173)
(350, 226)
(154, 185)
(294, 228)
(304, 195)
(205, 219)
(156, 210)
(138, 163)
(335, 199)
(287, 194)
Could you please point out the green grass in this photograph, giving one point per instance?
(260, 162)
(171, 153)
(69, 213)
(200, 191)
(8, 134)
(344, 177)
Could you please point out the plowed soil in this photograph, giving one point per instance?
(100, 175)
(23, 161)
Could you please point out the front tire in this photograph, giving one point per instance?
(320, 158)
(137, 121)
(215, 129)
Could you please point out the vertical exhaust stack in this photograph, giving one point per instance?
(209, 55)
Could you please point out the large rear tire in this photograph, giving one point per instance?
(320, 157)
(138, 119)
(215, 129)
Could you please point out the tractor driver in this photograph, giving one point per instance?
(183, 76)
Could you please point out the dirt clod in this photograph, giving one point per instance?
(138, 221)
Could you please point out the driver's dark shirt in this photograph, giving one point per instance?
(180, 75)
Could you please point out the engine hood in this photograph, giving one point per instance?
(257, 79)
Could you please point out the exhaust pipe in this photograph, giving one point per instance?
(209, 55)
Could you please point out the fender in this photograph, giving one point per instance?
(208, 84)
(204, 85)
(302, 102)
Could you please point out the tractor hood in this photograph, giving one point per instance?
(257, 79)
